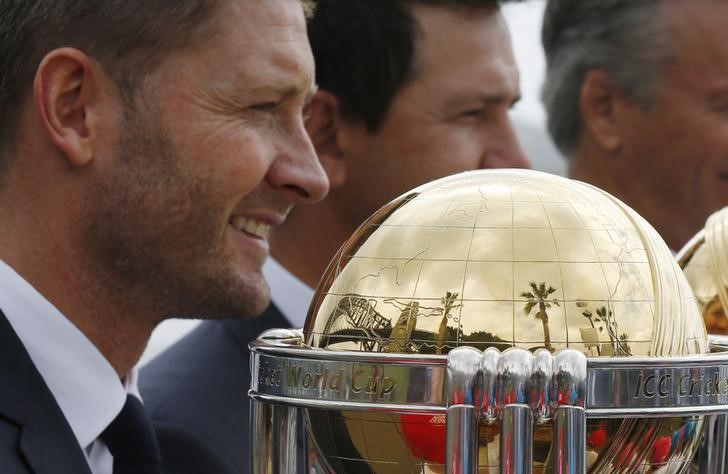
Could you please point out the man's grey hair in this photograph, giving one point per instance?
(627, 39)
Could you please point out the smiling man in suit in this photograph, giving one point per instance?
(146, 148)
(409, 91)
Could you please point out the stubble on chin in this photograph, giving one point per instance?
(156, 240)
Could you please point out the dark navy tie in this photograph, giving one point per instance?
(130, 439)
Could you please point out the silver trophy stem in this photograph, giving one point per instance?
(462, 439)
(516, 448)
(569, 446)
(285, 431)
(569, 391)
(712, 454)
(261, 448)
(463, 382)
(273, 430)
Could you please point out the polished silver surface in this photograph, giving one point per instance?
(717, 343)
(570, 378)
(489, 372)
(285, 422)
(713, 447)
(464, 381)
(648, 387)
(569, 447)
(260, 437)
(513, 382)
(606, 387)
(541, 377)
(637, 386)
(516, 449)
(462, 440)
(463, 386)
(273, 433)
(569, 396)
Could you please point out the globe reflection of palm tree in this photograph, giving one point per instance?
(618, 342)
(606, 321)
(623, 344)
(538, 296)
(448, 304)
(589, 315)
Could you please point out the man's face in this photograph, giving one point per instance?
(211, 155)
(675, 155)
(452, 116)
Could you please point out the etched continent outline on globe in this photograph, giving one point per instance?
(502, 258)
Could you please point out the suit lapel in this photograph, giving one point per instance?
(246, 331)
(46, 440)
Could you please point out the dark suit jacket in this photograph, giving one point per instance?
(196, 393)
(34, 435)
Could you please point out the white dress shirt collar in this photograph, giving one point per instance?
(82, 381)
(291, 296)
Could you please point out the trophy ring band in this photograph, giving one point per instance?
(515, 388)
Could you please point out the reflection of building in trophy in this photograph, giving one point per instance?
(361, 323)
(605, 321)
(448, 304)
(401, 334)
(539, 296)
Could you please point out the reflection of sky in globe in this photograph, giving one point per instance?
(500, 241)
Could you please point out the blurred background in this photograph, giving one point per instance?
(524, 20)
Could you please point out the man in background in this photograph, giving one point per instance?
(409, 91)
(146, 148)
(637, 99)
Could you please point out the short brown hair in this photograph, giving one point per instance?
(364, 50)
(128, 37)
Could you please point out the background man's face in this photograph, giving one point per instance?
(213, 153)
(451, 116)
(676, 153)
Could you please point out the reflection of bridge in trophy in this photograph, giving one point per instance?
(355, 319)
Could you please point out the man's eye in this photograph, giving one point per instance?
(265, 107)
(471, 113)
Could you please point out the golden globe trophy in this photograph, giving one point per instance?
(496, 321)
(705, 262)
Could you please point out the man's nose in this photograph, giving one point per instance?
(504, 150)
(297, 170)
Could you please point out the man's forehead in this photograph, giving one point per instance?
(264, 20)
(470, 59)
(267, 42)
(446, 33)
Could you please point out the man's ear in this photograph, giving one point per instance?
(64, 91)
(322, 124)
(598, 108)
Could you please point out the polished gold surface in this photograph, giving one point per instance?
(501, 259)
(705, 262)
